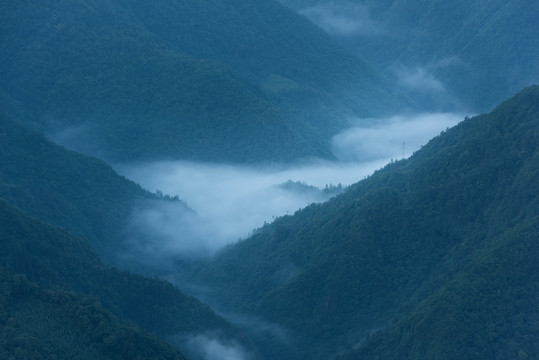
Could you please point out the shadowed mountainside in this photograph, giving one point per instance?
(118, 79)
(61, 264)
(76, 192)
(445, 54)
(402, 244)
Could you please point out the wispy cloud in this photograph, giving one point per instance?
(212, 346)
(419, 78)
(425, 83)
(392, 138)
(215, 349)
(344, 18)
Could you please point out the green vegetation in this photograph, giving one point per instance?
(57, 260)
(87, 197)
(487, 312)
(119, 80)
(81, 65)
(302, 187)
(45, 324)
(392, 247)
(434, 257)
(79, 193)
(297, 65)
(481, 51)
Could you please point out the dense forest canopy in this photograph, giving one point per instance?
(389, 249)
(203, 80)
(432, 256)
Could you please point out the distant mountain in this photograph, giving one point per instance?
(118, 79)
(57, 261)
(434, 255)
(292, 61)
(458, 53)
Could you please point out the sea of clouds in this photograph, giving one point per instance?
(228, 201)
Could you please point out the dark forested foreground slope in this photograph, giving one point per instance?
(435, 255)
(35, 319)
(487, 312)
(476, 53)
(38, 324)
(118, 78)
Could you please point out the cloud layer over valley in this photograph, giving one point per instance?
(229, 201)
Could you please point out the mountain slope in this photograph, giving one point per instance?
(293, 62)
(76, 192)
(486, 312)
(118, 79)
(57, 260)
(91, 74)
(86, 197)
(334, 273)
(475, 53)
(44, 324)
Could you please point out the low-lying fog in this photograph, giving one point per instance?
(230, 201)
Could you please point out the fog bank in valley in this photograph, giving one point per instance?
(344, 18)
(396, 137)
(229, 201)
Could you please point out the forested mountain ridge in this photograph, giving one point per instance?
(76, 192)
(465, 53)
(60, 262)
(88, 72)
(394, 245)
(488, 312)
(431, 257)
(293, 62)
(52, 324)
(119, 80)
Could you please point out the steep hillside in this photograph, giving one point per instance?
(44, 324)
(474, 53)
(91, 74)
(394, 245)
(488, 312)
(57, 260)
(117, 79)
(292, 61)
(76, 192)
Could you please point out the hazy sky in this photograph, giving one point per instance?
(232, 200)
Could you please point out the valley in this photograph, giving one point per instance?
(233, 200)
(261, 179)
